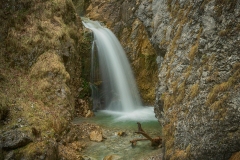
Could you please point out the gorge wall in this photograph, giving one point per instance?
(198, 93)
(42, 70)
(196, 45)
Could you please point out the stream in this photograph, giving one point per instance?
(119, 147)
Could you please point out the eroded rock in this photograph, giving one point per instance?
(96, 136)
(14, 139)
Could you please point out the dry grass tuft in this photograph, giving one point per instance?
(193, 51)
(217, 105)
(179, 155)
(224, 32)
(181, 93)
(205, 2)
(220, 93)
(168, 100)
(50, 65)
(235, 156)
(187, 72)
(194, 90)
(236, 66)
(194, 48)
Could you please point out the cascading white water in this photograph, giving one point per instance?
(120, 90)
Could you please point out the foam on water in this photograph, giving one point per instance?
(119, 88)
(141, 115)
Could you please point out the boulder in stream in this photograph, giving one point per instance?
(96, 136)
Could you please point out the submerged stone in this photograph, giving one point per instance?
(96, 136)
(112, 157)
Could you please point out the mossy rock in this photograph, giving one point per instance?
(49, 64)
(4, 109)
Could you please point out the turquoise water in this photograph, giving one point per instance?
(114, 122)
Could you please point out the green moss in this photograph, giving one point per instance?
(85, 89)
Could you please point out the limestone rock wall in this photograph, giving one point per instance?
(197, 98)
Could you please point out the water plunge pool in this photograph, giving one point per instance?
(113, 122)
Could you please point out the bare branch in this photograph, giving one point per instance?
(154, 141)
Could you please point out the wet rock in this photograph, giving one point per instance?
(96, 136)
(89, 114)
(121, 133)
(88, 158)
(14, 139)
(83, 109)
(112, 157)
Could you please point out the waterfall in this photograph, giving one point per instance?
(119, 88)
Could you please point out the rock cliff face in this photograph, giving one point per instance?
(197, 46)
(197, 98)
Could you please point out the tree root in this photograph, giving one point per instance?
(154, 141)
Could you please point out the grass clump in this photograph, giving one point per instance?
(194, 90)
(194, 48)
(204, 3)
(235, 156)
(224, 32)
(192, 52)
(50, 65)
(181, 93)
(221, 92)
